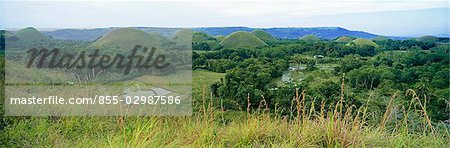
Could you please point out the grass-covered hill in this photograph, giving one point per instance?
(30, 34)
(344, 39)
(213, 45)
(159, 37)
(310, 38)
(183, 37)
(127, 38)
(198, 37)
(379, 38)
(4, 33)
(219, 38)
(202, 41)
(242, 39)
(264, 36)
(428, 38)
(363, 42)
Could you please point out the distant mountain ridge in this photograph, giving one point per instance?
(291, 32)
(283, 33)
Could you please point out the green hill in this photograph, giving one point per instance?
(219, 38)
(6, 33)
(183, 37)
(159, 37)
(362, 42)
(2, 33)
(198, 37)
(241, 39)
(127, 38)
(310, 38)
(31, 34)
(428, 38)
(264, 36)
(344, 39)
(213, 44)
(380, 38)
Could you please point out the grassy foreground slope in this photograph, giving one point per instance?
(214, 127)
(209, 127)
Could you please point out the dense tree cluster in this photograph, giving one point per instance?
(394, 66)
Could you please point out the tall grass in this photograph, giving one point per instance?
(344, 125)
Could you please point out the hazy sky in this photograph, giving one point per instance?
(400, 18)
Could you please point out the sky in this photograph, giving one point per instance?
(394, 18)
